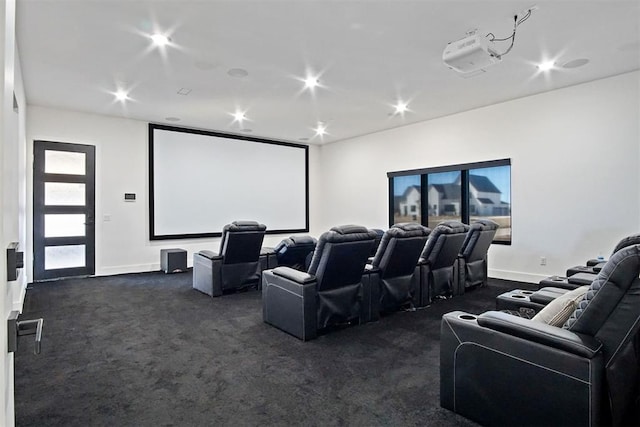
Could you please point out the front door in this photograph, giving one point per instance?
(63, 210)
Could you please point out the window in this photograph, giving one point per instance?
(490, 197)
(465, 192)
(406, 197)
(444, 197)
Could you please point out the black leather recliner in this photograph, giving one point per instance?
(396, 264)
(236, 266)
(470, 268)
(295, 252)
(586, 274)
(499, 369)
(329, 293)
(437, 259)
(593, 266)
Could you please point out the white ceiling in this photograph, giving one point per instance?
(76, 53)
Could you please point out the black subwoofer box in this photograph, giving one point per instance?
(173, 260)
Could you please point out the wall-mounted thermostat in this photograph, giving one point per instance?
(129, 197)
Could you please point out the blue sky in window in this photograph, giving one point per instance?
(500, 176)
(401, 183)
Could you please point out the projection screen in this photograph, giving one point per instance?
(200, 180)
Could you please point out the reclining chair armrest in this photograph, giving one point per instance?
(207, 277)
(488, 375)
(296, 276)
(289, 301)
(370, 294)
(547, 294)
(268, 259)
(541, 333)
(209, 254)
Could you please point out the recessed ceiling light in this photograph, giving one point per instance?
(311, 82)
(239, 116)
(575, 63)
(321, 129)
(121, 95)
(184, 91)
(400, 107)
(546, 65)
(172, 119)
(238, 72)
(160, 39)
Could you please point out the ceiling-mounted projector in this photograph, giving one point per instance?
(471, 53)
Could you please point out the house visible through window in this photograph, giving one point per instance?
(466, 193)
(406, 199)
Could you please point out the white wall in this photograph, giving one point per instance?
(575, 175)
(122, 244)
(575, 171)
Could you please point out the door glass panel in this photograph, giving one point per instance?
(64, 162)
(64, 256)
(444, 197)
(64, 225)
(64, 194)
(406, 199)
(490, 197)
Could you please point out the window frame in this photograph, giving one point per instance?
(464, 169)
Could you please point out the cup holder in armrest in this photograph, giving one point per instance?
(527, 292)
(467, 317)
(518, 296)
(558, 279)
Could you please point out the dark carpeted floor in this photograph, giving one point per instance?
(148, 350)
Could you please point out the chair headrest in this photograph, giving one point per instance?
(296, 241)
(484, 224)
(303, 240)
(408, 229)
(451, 227)
(245, 226)
(349, 229)
(400, 231)
(610, 286)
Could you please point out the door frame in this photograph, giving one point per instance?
(40, 209)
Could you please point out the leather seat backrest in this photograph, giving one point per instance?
(610, 310)
(293, 251)
(400, 249)
(340, 256)
(241, 242)
(444, 244)
(478, 239)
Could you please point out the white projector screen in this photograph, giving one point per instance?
(199, 181)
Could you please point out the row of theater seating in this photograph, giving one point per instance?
(576, 362)
(351, 273)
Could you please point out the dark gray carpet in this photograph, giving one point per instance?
(147, 350)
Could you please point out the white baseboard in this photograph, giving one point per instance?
(135, 268)
(123, 269)
(517, 276)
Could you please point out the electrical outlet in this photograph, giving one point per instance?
(543, 260)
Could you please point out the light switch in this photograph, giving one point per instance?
(106, 217)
